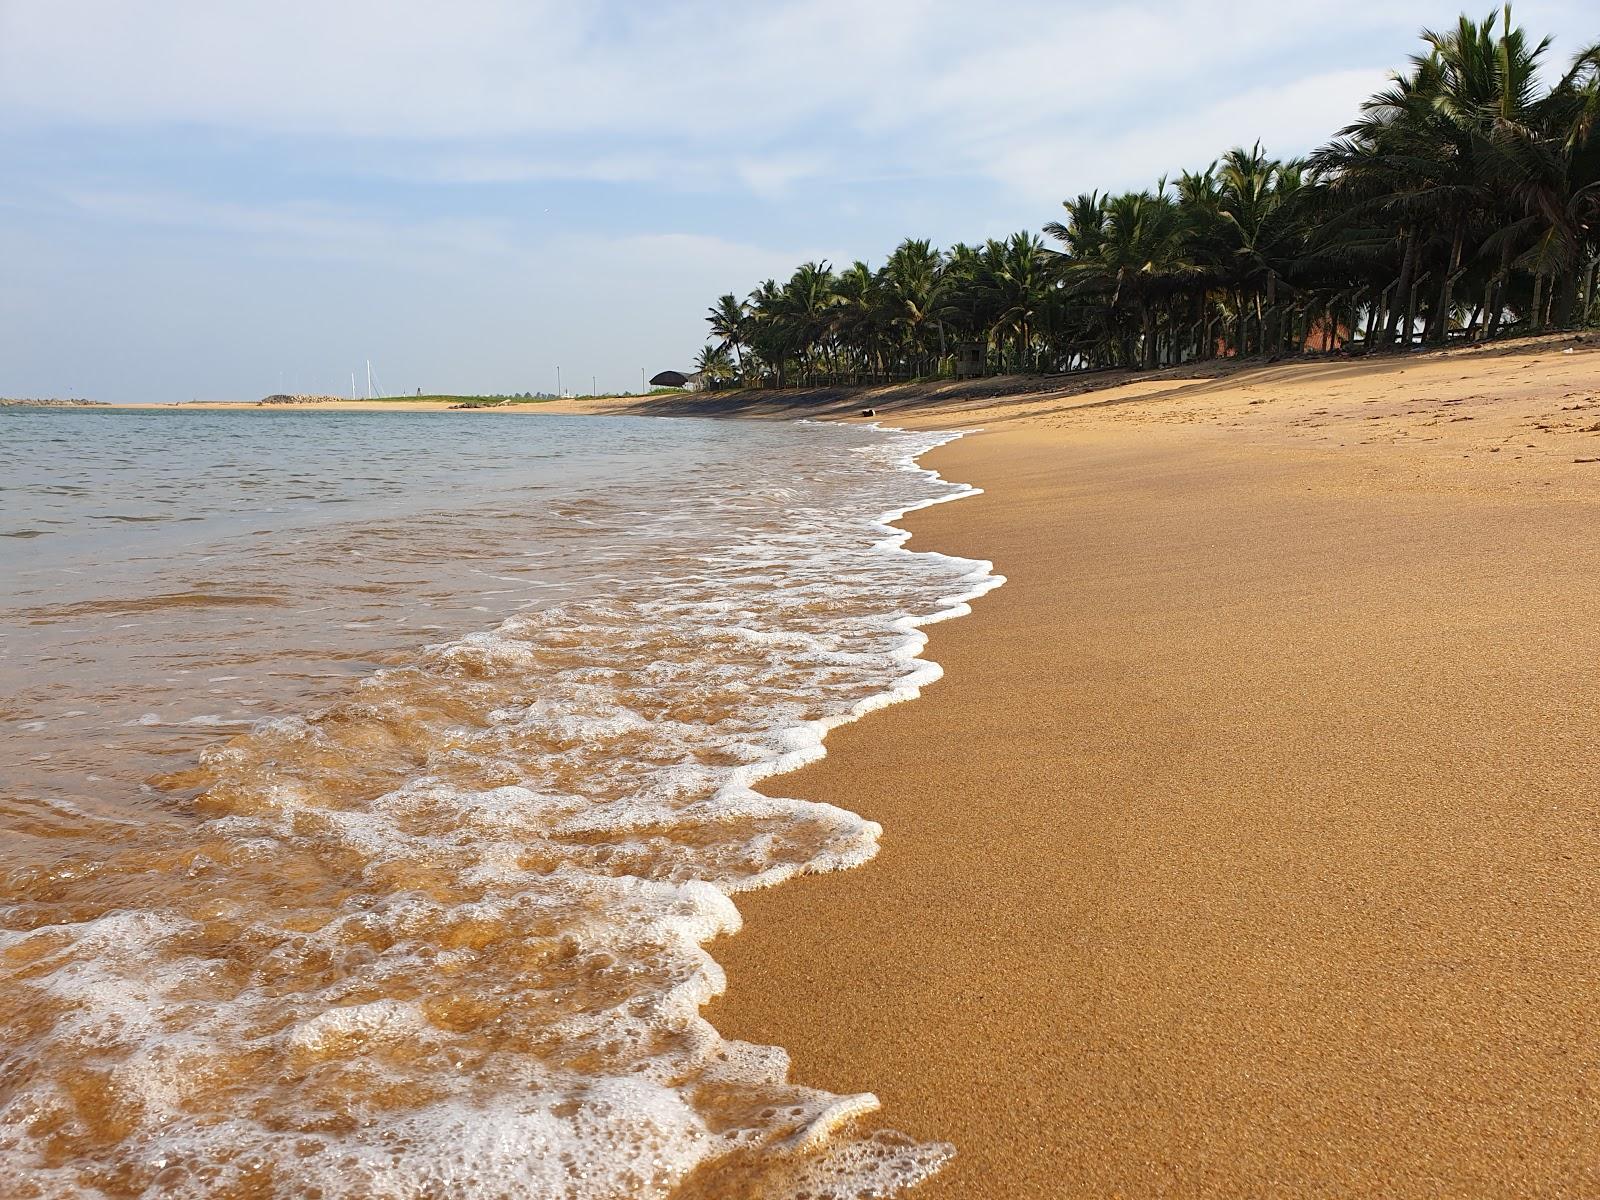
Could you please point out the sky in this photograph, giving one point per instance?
(221, 200)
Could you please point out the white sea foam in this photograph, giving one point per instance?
(448, 936)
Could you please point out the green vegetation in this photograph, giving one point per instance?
(1463, 205)
(507, 401)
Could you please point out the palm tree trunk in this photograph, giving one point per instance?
(1537, 316)
(1565, 297)
(1441, 325)
(1411, 310)
(1402, 299)
(1386, 310)
(1586, 293)
(1496, 305)
(1274, 335)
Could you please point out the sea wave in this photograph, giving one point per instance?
(448, 935)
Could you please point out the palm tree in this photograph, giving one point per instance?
(1084, 232)
(729, 320)
(1465, 192)
(1089, 332)
(804, 314)
(1550, 165)
(914, 290)
(1140, 262)
(861, 321)
(1258, 205)
(1480, 87)
(1013, 281)
(766, 338)
(1462, 144)
(713, 364)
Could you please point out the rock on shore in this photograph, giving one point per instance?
(49, 402)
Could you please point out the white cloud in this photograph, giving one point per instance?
(320, 230)
(1288, 120)
(327, 231)
(762, 96)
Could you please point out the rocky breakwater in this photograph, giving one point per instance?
(48, 402)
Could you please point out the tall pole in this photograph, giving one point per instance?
(641, 381)
(558, 383)
(369, 379)
(594, 388)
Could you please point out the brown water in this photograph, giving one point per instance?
(363, 838)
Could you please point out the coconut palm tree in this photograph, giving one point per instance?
(1549, 164)
(1141, 262)
(766, 338)
(914, 292)
(1014, 285)
(1466, 192)
(729, 320)
(804, 313)
(713, 364)
(1257, 210)
(1480, 85)
(862, 318)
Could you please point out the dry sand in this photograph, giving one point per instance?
(1250, 846)
(308, 406)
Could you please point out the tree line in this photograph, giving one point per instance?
(1463, 204)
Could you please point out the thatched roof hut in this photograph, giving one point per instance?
(669, 379)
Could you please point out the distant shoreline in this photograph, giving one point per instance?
(925, 398)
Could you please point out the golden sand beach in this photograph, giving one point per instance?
(1249, 845)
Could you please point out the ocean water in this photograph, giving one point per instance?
(375, 787)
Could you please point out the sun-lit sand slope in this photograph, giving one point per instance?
(1250, 845)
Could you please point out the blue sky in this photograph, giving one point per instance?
(220, 200)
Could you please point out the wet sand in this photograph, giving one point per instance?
(1250, 845)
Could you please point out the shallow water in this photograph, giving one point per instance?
(374, 782)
